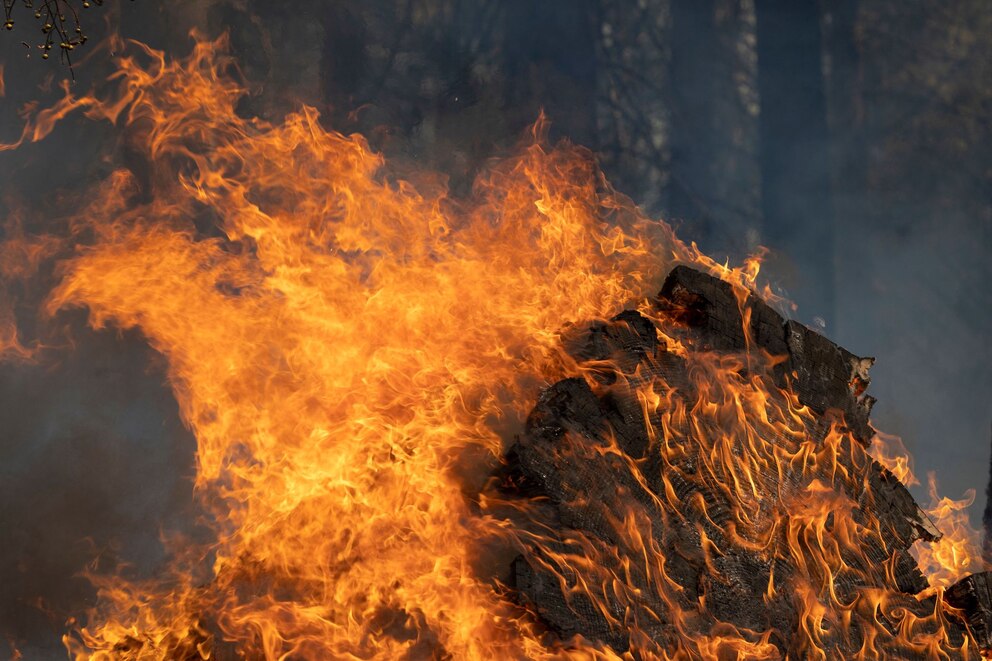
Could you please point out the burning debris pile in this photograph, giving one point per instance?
(355, 354)
(667, 520)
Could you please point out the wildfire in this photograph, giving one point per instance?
(958, 552)
(353, 354)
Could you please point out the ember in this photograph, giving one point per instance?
(355, 356)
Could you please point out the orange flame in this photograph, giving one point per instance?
(890, 451)
(958, 552)
(350, 354)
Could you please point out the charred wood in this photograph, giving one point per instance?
(972, 595)
(615, 493)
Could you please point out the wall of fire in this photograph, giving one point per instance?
(875, 197)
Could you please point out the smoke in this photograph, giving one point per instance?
(95, 461)
(924, 312)
(94, 464)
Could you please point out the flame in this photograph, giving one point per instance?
(21, 257)
(958, 552)
(890, 451)
(352, 352)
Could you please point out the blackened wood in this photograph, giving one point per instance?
(587, 455)
(972, 595)
(824, 376)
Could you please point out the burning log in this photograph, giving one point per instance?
(972, 595)
(348, 347)
(789, 528)
(824, 376)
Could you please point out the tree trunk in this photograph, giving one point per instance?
(796, 201)
(849, 156)
(343, 62)
(695, 82)
(549, 62)
(987, 522)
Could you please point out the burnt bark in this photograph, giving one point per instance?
(590, 457)
(826, 377)
(973, 596)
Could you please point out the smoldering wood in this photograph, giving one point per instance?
(824, 376)
(973, 596)
(588, 456)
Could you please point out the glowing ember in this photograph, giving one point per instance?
(354, 355)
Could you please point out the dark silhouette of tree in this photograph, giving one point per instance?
(549, 62)
(58, 21)
(695, 88)
(987, 521)
(344, 61)
(794, 158)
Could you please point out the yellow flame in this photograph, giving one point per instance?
(958, 552)
(351, 353)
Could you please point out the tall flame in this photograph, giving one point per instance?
(352, 352)
(958, 552)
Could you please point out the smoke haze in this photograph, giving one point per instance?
(95, 461)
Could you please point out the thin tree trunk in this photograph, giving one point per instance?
(344, 61)
(549, 62)
(849, 154)
(987, 523)
(695, 91)
(795, 164)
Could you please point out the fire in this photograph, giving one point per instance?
(958, 552)
(890, 451)
(353, 353)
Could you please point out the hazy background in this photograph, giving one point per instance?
(853, 137)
